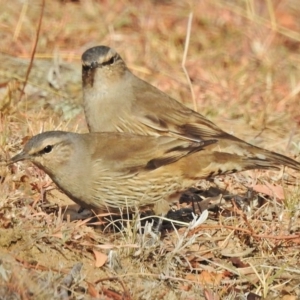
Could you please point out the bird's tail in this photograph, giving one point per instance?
(259, 157)
(267, 159)
(206, 164)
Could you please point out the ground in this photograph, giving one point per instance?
(243, 64)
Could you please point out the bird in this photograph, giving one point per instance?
(116, 100)
(111, 171)
(114, 172)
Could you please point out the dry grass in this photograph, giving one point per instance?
(243, 63)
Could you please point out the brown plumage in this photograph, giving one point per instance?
(112, 170)
(116, 171)
(118, 101)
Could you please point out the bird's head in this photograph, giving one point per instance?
(49, 151)
(100, 64)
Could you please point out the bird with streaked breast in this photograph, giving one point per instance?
(114, 171)
(118, 101)
(118, 171)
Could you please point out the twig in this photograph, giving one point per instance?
(34, 49)
(20, 21)
(186, 47)
(126, 294)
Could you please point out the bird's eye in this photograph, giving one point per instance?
(109, 62)
(48, 149)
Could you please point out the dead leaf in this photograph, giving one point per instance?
(92, 291)
(101, 258)
(206, 278)
(270, 190)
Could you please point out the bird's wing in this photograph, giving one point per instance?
(126, 153)
(157, 110)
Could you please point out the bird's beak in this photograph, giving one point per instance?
(21, 156)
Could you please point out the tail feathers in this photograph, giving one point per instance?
(269, 159)
(263, 158)
(205, 164)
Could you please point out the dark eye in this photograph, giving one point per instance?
(109, 62)
(47, 149)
